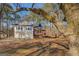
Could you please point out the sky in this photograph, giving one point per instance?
(27, 5)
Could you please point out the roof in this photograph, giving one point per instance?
(22, 22)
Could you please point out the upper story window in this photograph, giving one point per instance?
(28, 28)
(19, 28)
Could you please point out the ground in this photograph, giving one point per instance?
(33, 47)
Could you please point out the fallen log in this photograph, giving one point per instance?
(16, 44)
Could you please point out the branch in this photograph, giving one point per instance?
(58, 24)
(33, 5)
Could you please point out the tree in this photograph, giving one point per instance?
(71, 32)
(71, 14)
(4, 9)
(5, 14)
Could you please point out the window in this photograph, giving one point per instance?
(28, 28)
(20, 28)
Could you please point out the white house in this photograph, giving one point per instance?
(23, 30)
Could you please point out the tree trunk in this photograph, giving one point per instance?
(71, 12)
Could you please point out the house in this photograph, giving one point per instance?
(23, 30)
(30, 29)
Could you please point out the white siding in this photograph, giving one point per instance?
(24, 33)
